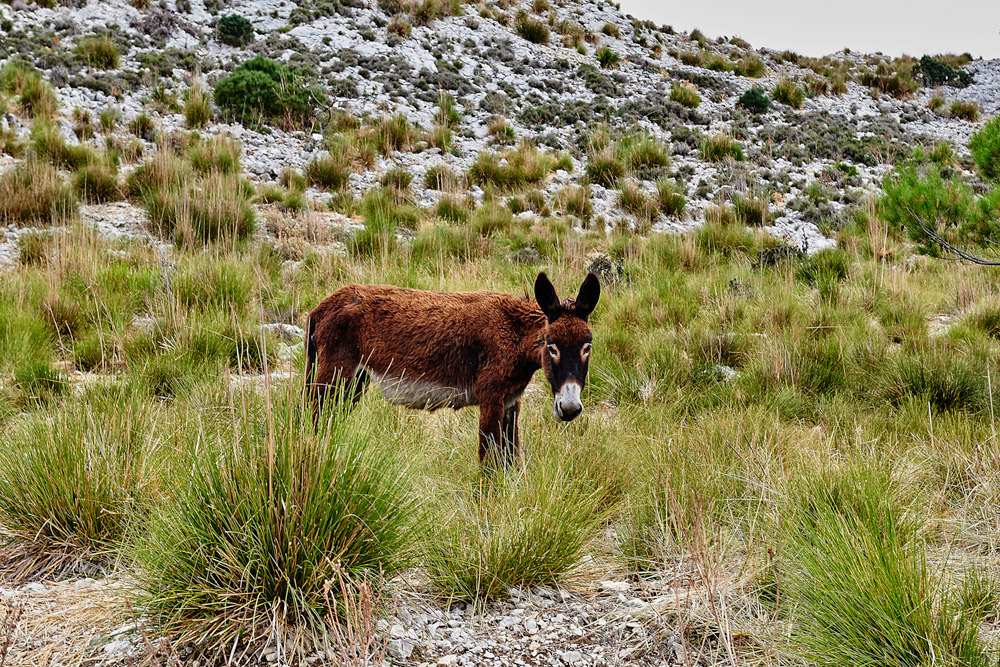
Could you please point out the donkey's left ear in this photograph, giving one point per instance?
(586, 300)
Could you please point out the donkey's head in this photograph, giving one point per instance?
(568, 338)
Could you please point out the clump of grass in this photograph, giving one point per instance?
(969, 111)
(197, 106)
(447, 114)
(671, 198)
(720, 233)
(98, 51)
(452, 208)
(685, 94)
(514, 529)
(531, 29)
(605, 168)
(641, 151)
(47, 142)
(607, 58)
(638, 203)
(75, 480)
(220, 154)
(34, 194)
(789, 93)
(491, 218)
(515, 168)
(392, 133)
(501, 131)
(97, 182)
(751, 67)
(33, 93)
(440, 177)
(216, 208)
(108, 118)
(946, 385)
(856, 577)
(611, 30)
(331, 171)
(721, 147)
(247, 547)
(165, 170)
(575, 200)
(143, 127)
(751, 210)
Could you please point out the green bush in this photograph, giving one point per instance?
(755, 100)
(235, 30)
(938, 73)
(985, 148)
(262, 89)
(917, 193)
(262, 525)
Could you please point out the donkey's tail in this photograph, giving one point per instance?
(310, 343)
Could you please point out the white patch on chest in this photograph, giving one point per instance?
(420, 393)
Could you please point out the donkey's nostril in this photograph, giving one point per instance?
(568, 412)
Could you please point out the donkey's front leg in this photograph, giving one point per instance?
(511, 441)
(491, 420)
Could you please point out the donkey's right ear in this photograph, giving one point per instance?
(545, 295)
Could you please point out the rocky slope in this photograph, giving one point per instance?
(548, 92)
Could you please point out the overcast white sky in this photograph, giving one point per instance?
(819, 27)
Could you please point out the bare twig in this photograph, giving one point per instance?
(353, 622)
(934, 236)
(12, 614)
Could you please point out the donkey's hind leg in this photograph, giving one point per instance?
(337, 377)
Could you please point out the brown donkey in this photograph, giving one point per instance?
(431, 350)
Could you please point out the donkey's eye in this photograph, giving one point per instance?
(553, 352)
(585, 351)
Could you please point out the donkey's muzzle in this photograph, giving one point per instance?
(567, 404)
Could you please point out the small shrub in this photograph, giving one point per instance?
(755, 100)
(964, 110)
(262, 89)
(607, 58)
(985, 148)
(197, 106)
(533, 30)
(916, 194)
(938, 73)
(235, 30)
(33, 194)
(720, 147)
(400, 25)
(99, 52)
(685, 94)
(789, 93)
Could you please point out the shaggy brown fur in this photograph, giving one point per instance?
(430, 350)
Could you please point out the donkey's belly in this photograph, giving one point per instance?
(421, 393)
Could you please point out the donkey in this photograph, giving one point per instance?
(429, 350)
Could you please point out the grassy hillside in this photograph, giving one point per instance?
(788, 453)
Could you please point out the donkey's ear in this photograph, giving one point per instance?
(545, 295)
(586, 300)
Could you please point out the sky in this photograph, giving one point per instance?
(820, 27)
